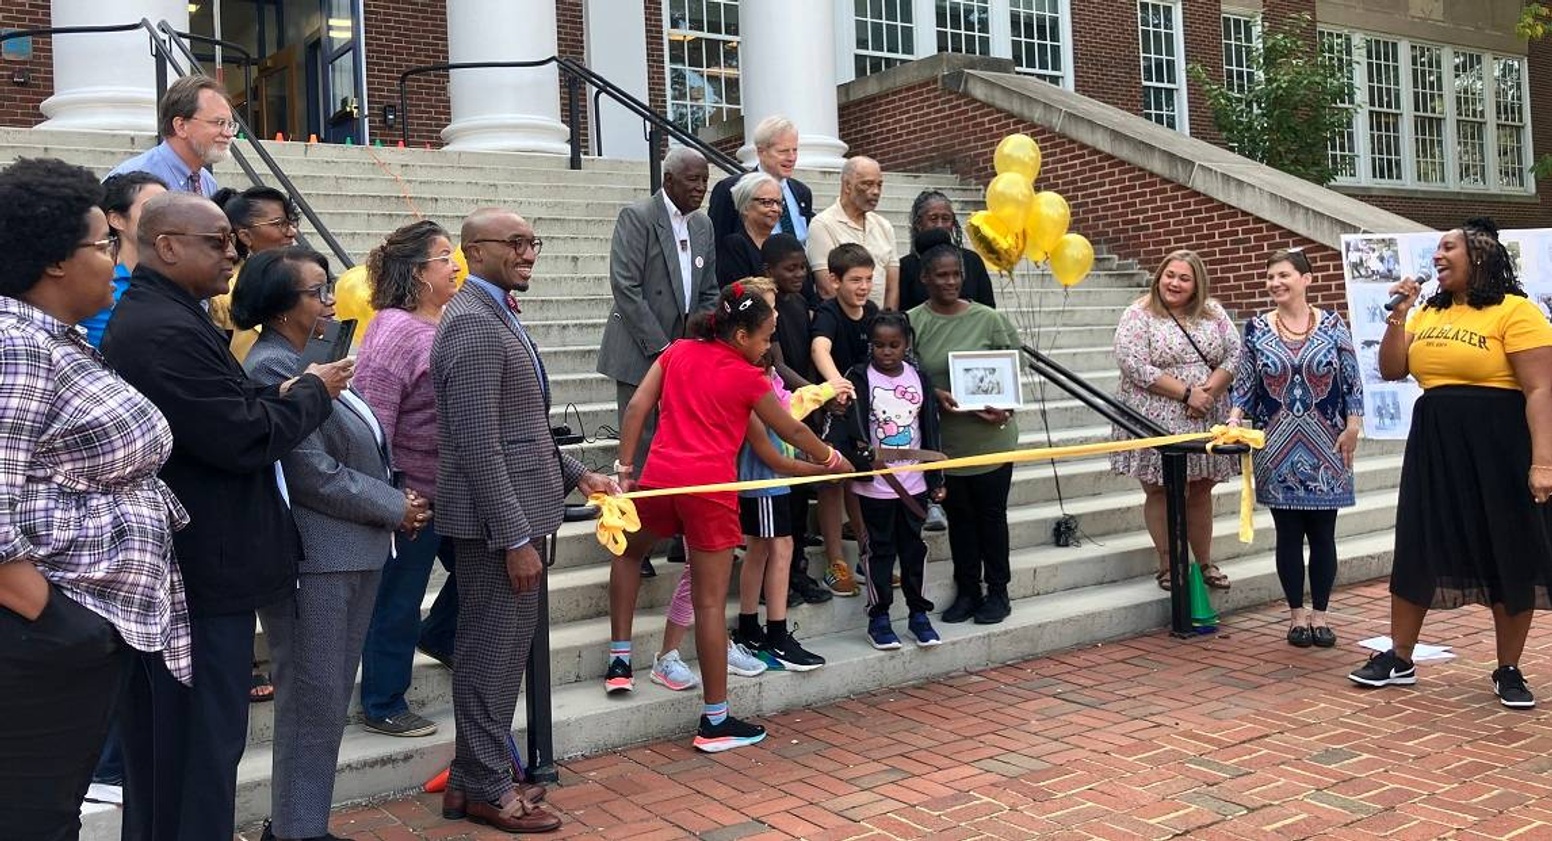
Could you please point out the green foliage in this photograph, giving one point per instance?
(1535, 20)
(1294, 107)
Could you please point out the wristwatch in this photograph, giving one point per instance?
(623, 468)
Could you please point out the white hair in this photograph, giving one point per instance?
(771, 128)
(745, 189)
(854, 163)
(681, 158)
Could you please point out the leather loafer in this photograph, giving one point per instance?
(1299, 636)
(455, 802)
(1323, 637)
(518, 815)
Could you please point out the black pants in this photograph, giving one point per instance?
(182, 744)
(977, 509)
(799, 499)
(893, 531)
(1293, 527)
(60, 677)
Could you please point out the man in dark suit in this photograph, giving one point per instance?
(776, 146)
(240, 551)
(501, 487)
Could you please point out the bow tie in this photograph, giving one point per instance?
(513, 304)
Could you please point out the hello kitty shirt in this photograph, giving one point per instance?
(894, 421)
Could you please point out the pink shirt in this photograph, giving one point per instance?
(894, 411)
(393, 373)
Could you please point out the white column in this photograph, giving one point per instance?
(503, 109)
(788, 55)
(615, 37)
(107, 81)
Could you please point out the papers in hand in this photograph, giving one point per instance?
(1421, 653)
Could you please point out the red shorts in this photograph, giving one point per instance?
(709, 523)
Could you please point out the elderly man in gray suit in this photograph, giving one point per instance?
(501, 487)
(662, 269)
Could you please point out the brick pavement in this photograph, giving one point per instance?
(1238, 736)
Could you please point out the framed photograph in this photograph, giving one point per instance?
(985, 379)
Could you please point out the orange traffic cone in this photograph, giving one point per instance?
(312, 139)
(401, 143)
(438, 783)
(280, 137)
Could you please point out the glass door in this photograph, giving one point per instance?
(342, 75)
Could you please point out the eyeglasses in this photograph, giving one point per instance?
(221, 241)
(517, 243)
(283, 223)
(448, 258)
(767, 203)
(107, 247)
(222, 125)
(324, 292)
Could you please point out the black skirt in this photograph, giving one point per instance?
(1467, 530)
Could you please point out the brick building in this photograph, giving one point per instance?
(1441, 127)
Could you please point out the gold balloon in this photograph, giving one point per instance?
(462, 263)
(1009, 198)
(352, 298)
(1018, 154)
(1000, 244)
(1047, 221)
(1035, 253)
(1071, 259)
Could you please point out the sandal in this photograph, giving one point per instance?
(261, 690)
(1214, 577)
(1163, 579)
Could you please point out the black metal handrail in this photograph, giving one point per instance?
(162, 37)
(577, 74)
(1138, 425)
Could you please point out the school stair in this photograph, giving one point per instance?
(1101, 589)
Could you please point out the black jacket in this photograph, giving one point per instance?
(850, 434)
(724, 217)
(240, 550)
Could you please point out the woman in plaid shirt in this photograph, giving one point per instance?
(86, 570)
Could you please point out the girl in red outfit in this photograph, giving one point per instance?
(705, 387)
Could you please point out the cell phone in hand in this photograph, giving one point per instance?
(332, 346)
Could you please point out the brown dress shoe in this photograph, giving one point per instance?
(514, 815)
(455, 802)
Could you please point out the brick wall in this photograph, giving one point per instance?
(19, 104)
(1137, 214)
(402, 34)
(570, 41)
(1203, 37)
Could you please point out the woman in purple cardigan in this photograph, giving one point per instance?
(412, 275)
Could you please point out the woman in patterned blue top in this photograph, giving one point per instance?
(1298, 380)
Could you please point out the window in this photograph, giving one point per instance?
(886, 34)
(1038, 39)
(964, 26)
(1163, 76)
(703, 83)
(1239, 53)
(1430, 115)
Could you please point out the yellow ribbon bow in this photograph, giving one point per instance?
(808, 398)
(1223, 436)
(616, 517)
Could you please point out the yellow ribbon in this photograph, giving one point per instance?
(808, 398)
(618, 513)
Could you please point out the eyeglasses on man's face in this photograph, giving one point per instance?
(221, 241)
(518, 244)
(222, 124)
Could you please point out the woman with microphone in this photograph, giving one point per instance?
(1472, 521)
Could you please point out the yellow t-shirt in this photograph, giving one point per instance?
(1466, 346)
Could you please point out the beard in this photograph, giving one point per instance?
(214, 154)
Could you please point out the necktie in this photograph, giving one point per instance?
(194, 186)
(787, 225)
(533, 350)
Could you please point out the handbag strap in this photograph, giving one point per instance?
(1194, 346)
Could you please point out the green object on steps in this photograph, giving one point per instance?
(1203, 617)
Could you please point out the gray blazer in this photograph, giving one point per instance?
(644, 276)
(340, 480)
(500, 476)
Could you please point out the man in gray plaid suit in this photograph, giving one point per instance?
(501, 488)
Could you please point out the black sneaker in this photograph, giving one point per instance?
(407, 724)
(1509, 686)
(730, 734)
(964, 607)
(807, 591)
(1385, 669)
(994, 609)
(752, 641)
(619, 678)
(791, 656)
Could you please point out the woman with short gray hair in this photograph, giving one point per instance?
(757, 198)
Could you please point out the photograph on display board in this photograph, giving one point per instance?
(1371, 264)
(1371, 259)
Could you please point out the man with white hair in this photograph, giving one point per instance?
(854, 218)
(776, 147)
(195, 122)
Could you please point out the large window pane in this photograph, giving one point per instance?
(1037, 39)
(886, 34)
(703, 84)
(1342, 151)
(965, 26)
(1161, 70)
(1239, 52)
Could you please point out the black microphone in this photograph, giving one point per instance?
(1395, 301)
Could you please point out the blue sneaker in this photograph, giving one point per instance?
(921, 628)
(881, 634)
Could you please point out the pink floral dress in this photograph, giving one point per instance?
(1149, 346)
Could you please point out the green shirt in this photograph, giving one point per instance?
(977, 328)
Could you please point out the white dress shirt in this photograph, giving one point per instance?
(682, 238)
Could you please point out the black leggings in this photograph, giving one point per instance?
(1293, 527)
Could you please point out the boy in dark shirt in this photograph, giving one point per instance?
(840, 340)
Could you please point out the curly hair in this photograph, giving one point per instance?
(919, 208)
(1491, 269)
(738, 308)
(44, 204)
(391, 267)
(268, 288)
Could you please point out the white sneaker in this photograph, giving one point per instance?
(743, 663)
(670, 671)
(104, 793)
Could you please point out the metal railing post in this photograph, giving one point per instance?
(1179, 544)
(541, 726)
(161, 74)
(574, 105)
(654, 160)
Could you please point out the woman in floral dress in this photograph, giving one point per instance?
(1298, 381)
(1177, 351)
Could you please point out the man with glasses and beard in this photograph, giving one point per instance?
(196, 125)
(182, 744)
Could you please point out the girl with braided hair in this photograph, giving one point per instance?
(1472, 522)
(933, 223)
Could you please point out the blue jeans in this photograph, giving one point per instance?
(387, 658)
